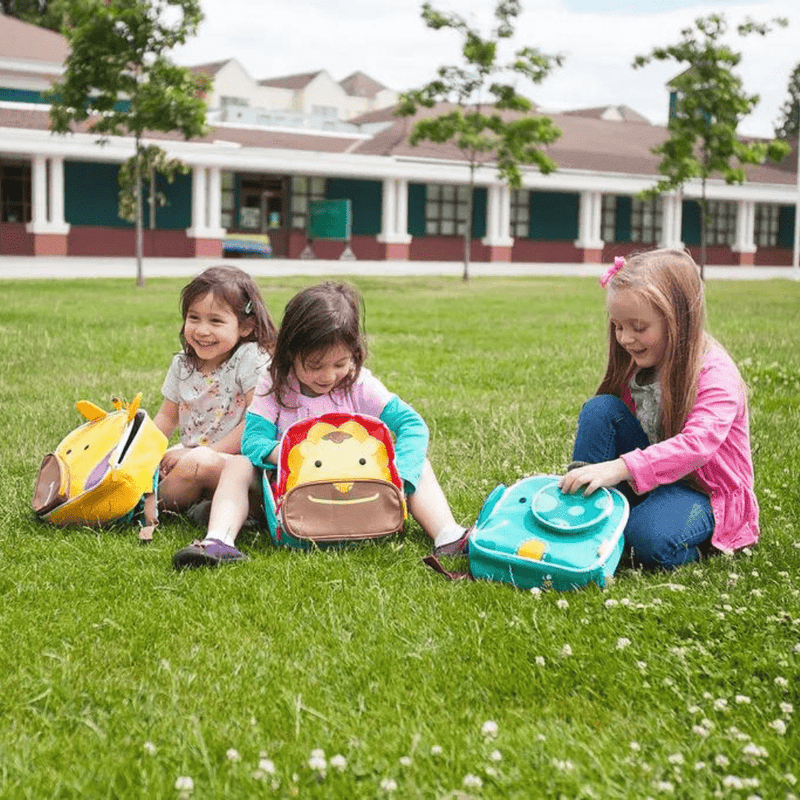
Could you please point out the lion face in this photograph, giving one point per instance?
(339, 455)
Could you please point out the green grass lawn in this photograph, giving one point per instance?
(122, 678)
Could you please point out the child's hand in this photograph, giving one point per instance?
(593, 476)
(170, 459)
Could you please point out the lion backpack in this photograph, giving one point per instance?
(104, 471)
(531, 535)
(336, 483)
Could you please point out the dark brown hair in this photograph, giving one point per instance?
(239, 292)
(316, 319)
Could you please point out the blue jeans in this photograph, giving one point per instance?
(668, 526)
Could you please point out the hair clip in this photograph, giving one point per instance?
(619, 263)
(248, 309)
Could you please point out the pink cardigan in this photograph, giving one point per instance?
(715, 445)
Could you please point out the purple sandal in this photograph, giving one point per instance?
(208, 553)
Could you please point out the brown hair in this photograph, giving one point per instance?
(239, 292)
(316, 319)
(670, 281)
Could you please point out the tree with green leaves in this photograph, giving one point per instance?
(485, 117)
(709, 103)
(119, 80)
(787, 126)
(44, 13)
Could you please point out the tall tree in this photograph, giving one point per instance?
(119, 78)
(489, 119)
(787, 125)
(45, 13)
(709, 104)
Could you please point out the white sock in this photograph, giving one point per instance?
(222, 536)
(450, 533)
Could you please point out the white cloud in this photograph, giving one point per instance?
(390, 42)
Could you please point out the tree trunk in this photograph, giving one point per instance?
(468, 227)
(139, 212)
(703, 232)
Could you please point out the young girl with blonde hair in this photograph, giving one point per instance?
(669, 424)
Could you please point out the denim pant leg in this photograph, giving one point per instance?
(667, 525)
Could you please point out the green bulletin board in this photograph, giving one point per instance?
(329, 219)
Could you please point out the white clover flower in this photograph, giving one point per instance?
(611, 602)
(694, 709)
(665, 787)
(267, 766)
(623, 642)
(389, 785)
(436, 750)
(781, 682)
(720, 704)
(735, 733)
(564, 766)
(318, 762)
(787, 708)
(733, 782)
(779, 726)
(536, 592)
(790, 779)
(566, 650)
(184, 784)
(721, 760)
(472, 782)
(742, 699)
(642, 665)
(700, 730)
(149, 748)
(635, 746)
(796, 648)
(495, 755)
(489, 729)
(676, 758)
(753, 751)
(491, 772)
(339, 762)
(562, 602)
(232, 754)
(405, 761)
(699, 766)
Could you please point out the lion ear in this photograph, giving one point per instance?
(318, 431)
(355, 429)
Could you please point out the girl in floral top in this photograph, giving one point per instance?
(227, 337)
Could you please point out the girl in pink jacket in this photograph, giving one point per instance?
(669, 424)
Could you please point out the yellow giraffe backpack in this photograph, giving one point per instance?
(104, 471)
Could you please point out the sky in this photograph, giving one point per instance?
(389, 41)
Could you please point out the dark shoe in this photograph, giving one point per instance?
(208, 553)
(460, 547)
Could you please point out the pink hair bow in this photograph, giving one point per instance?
(619, 263)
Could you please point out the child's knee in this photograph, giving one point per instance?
(602, 407)
(202, 465)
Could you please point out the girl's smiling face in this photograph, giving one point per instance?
(639, 329)
(321, 373)
(213, 331)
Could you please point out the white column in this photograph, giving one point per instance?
(498, 213)
(394, 212)
(47, 213)
(671, 220)
(199, 228)
(214, 202)
(745, 227)
(589, 222)
(39, 215)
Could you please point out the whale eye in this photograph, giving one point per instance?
(362, 461)
(317, 463)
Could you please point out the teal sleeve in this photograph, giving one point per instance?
(411, 440)
(259, 439)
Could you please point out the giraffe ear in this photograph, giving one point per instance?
(90, 410)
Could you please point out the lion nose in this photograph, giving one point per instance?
(343, 488)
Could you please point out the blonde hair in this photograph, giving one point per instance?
(670, 281)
